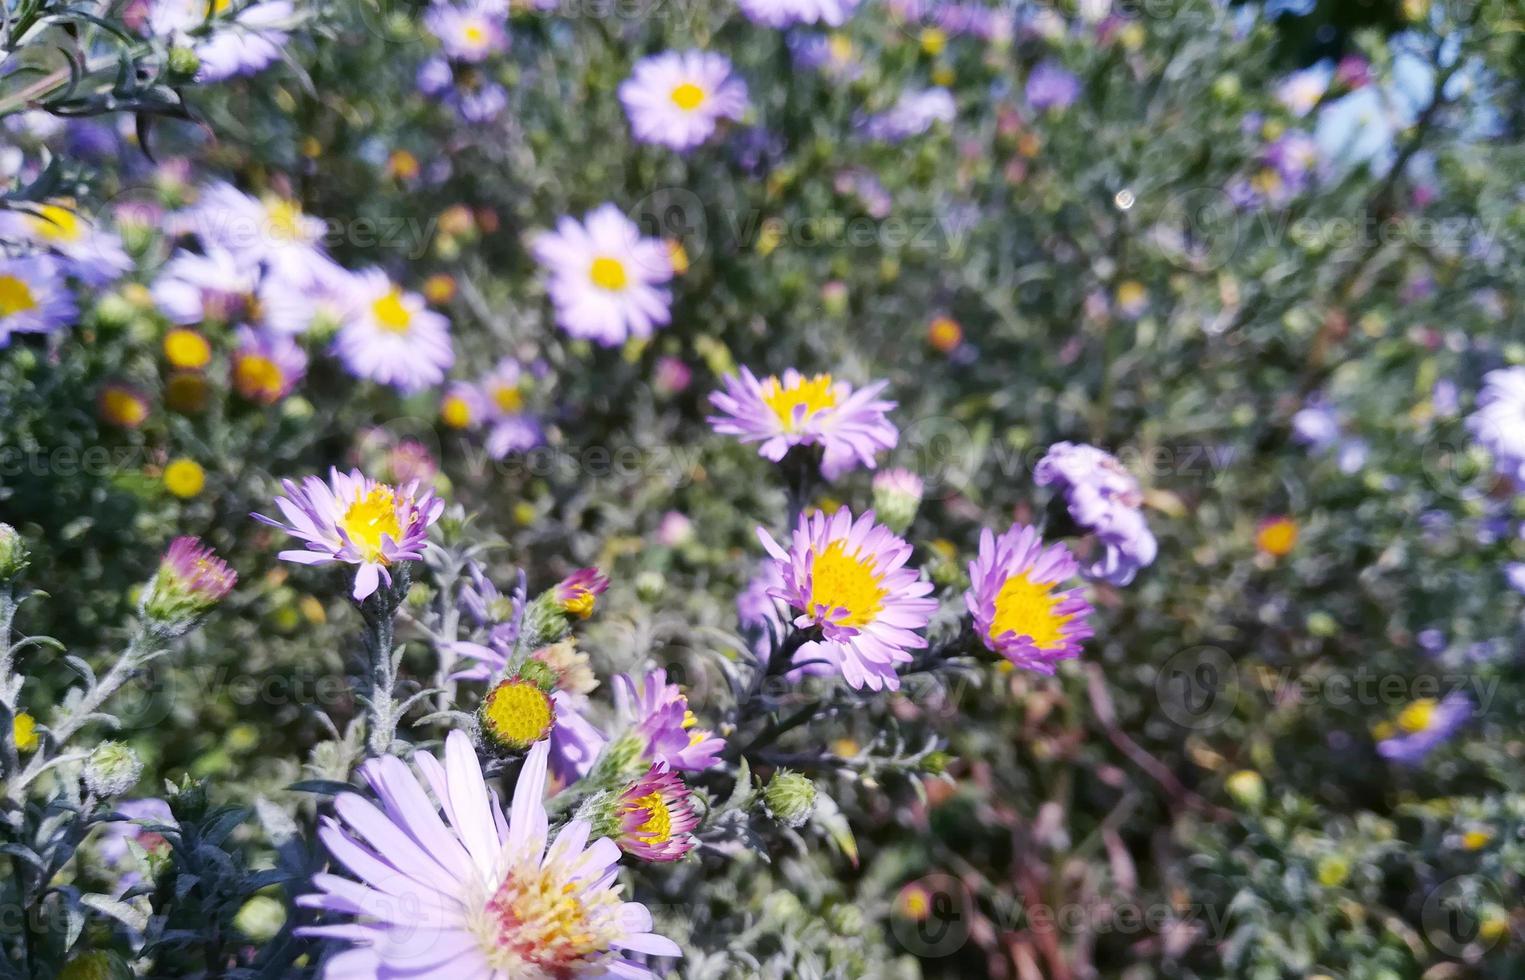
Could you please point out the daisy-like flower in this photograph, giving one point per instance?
(1498, 424)
(33, 297)
(216, 285)
(357, 521)
(463, 406)
(513, 429)
(269, 227)
(1102, 497)
(604, 278)
(1421, 726)
(677, 98)
(391, 337)
(92, 254)
(850, 426)
(450, 888)
(228, 42)
(266, 366)
(783, 13)
(657, 712)
(848, 579)
(317, 295)
(469, 32)
(1018, 609)
(656, 816)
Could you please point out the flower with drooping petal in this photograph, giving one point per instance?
(783, 13)
(358, 521)
(86, 250)
(656, 816)
(658, 713)
(1104, 498)
(782, 412)
(266, 366)
(604, 278)
(848, 579)
(392, 338)
(1421, 726)
(33, 297)
(449, 888)
(1018, 608)
(1498, 424)
(470, 31)
(677, 98)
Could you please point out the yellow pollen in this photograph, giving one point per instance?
(1419, 716)
(688, 96)
(1026, 608)
(15, 296)
(689, 721)
(580, 603)
(542, 923)
(608, 273)
(285, 218)
(657, 828)
(390, 312)
(517, 714)
(57, 223)
(454, 412)
(844, 588)
(807, 396)
(508, 398)
(698, 735)
(369, 519)
(1476, 840)
(258, 377)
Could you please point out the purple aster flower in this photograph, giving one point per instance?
(913, 113)
(242, 42)
(1498, 424)
(482, 103)
(512, 428)
(1017, 610)
(1301, 91)
(90, 253)
(447, 887)
(1104, 498)
(1353, 72)
(434, 77)
(269, 228)
(214, 286)
(1051, 86)
(604, 278)
(658, 713)
(266, 366)
(1316, 425)
(1421, 726)
(470, 32)
(759, 613)
(656, 816)
(33, 297)
(577, 593)
(850, 426)
(783, 13)
(390, 337)
(677, 98)
(357, 521)
(847, 578)
(833, 55)
(319, 295)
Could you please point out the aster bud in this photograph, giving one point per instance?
(846, 919)
(935, 763)
(184, 62)
(188, 801)
(1247, 789)
(260, 918)
(789, 798)
(515, 715)
(96, 965)
(191, 579)
(538, 673)
(897, 495)
(548, 618)
(13, 554)
(112, 769)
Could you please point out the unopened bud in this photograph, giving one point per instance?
(789, 798)
(112, 769)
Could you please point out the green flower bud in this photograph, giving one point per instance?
(188, 801)
(260, 918)
(846, 920)
(183, 62)
(95, 965)
(935, 763)
(13, 554)
(789, 798)
(114, 310)
(538, 673)
(897, 495)
(1247, 789)
(112, 769)
(649, 585)
(545, 622)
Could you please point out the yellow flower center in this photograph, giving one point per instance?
(215, 7)
(580, 603)
(369, 519)
(812, 394)
(258, 377)
(542, 923)
(1026, 608)
(688, 96)
(1476, 840)
(391, 313)
(455, 412)
(474, 33)
(57, 223)
(517, 714)
(285, 218)
(508, 398)
(1419, 716)
(1277, 538)
(122, 407)
(187, 349)
(184, 478)
(608, 273)
(844, 589)
(24, 731)
(15, 296)
(841, 47)
(657, 828)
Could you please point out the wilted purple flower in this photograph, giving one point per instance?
(850, 426)
(1103, 497)
(1051, 86)
(358, 521)
(1421, 726)
(1018, 609)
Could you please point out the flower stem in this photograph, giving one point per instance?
(380, 613)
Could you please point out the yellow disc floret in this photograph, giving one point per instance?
(391, 313)
(369, 519)
(813, 395)
(688, 96)
(608, 273)
(844, 589)
(515, 715)
(15, 296)
(1026, 608)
